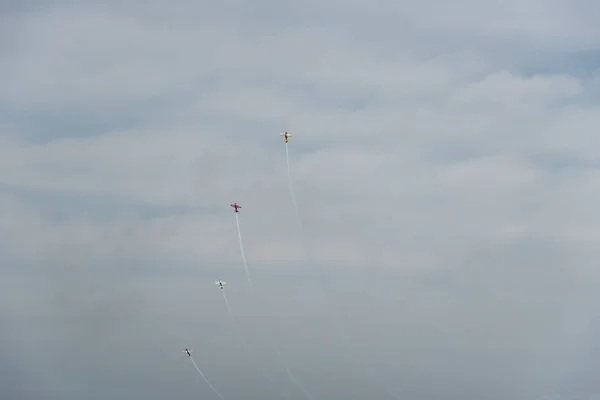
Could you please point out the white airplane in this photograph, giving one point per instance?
(188, 351)
(285, 136)
(220, 283)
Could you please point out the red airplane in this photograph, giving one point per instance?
(236, 207)
(188, 351)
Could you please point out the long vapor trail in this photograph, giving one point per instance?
(244, 341)
(206, 379)
(371, 371)
(237, 223)
(287, 369)
(226, 302)
(280, 357)
(285, 365)
(298, 385)
(289, 372)
(291, 187)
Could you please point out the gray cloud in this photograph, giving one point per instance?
(444, 160)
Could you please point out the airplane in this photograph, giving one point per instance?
(285, 136)
(220, 283)
(188, 351)
(236, 207)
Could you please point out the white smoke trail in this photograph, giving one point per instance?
(287, 369)
(291, 186)
(343, 330)
(234, 322)
(226, 301)
(301, 387)
(289, 372)
(237, 222)
(280, 357)
(244, 341)
(322, 278)
(285, 365)
(206, 379)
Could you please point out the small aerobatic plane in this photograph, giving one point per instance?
(188, 351)
(220, 283)
(285, 136)
(236, 207)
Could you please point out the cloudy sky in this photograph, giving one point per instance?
(445, 161)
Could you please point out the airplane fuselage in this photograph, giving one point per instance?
(285, 136)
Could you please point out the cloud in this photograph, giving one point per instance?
(444, 161)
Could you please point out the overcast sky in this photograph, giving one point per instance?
(445, 158)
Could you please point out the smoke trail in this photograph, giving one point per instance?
(322, 279)
(297, 209)
(280, 357)
(234, 322)
(237, 222)
(285, 365)
(295, 381)
(291, 186)
(226, 301)
(287, 369)
(289, 372)
(243, 338)
(343, 329)
(206, 379)
(245, 342)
